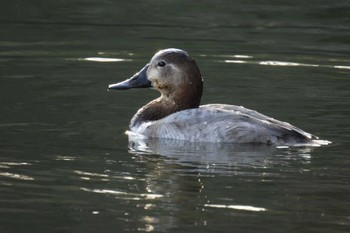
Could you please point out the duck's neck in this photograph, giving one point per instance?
(160, 108)
(171, 101)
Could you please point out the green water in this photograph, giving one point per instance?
(67, 166)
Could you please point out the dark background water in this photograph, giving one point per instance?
(65, 165)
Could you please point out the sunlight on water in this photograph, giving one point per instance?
(125, 195)
(14, 164)
(8, 165)
(84, 174)
(90, 174)
(342, 67)
(103, 59)
(16, 176)
(236, 207)
(281, 63)
(65, 158)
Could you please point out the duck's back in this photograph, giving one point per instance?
(223, 123)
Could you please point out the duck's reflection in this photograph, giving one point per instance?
(194, 180)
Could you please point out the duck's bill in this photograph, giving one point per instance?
(138, 80)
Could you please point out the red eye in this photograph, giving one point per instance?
(161, 63)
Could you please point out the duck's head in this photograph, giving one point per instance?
(174, 74)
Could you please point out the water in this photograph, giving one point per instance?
(67, 166)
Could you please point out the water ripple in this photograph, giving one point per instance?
(103, 59)
(124, 195)
(236, 207)
(16, 176)
(284, 63)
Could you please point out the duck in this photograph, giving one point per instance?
(178, 115)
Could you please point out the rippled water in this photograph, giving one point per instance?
(67, 166)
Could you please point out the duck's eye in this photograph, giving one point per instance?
(161, 63)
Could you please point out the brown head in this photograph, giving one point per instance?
(175, 75)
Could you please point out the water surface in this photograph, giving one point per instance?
(67, 166)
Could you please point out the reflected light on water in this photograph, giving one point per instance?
(8, 165)
(241, 56)
(236, 61)
(103, 59)
(126, 195)
(16, 176)
(65, 158)
(342, 67)
(283, 63)
(86, 175)
(90, 174)
(236, 207)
